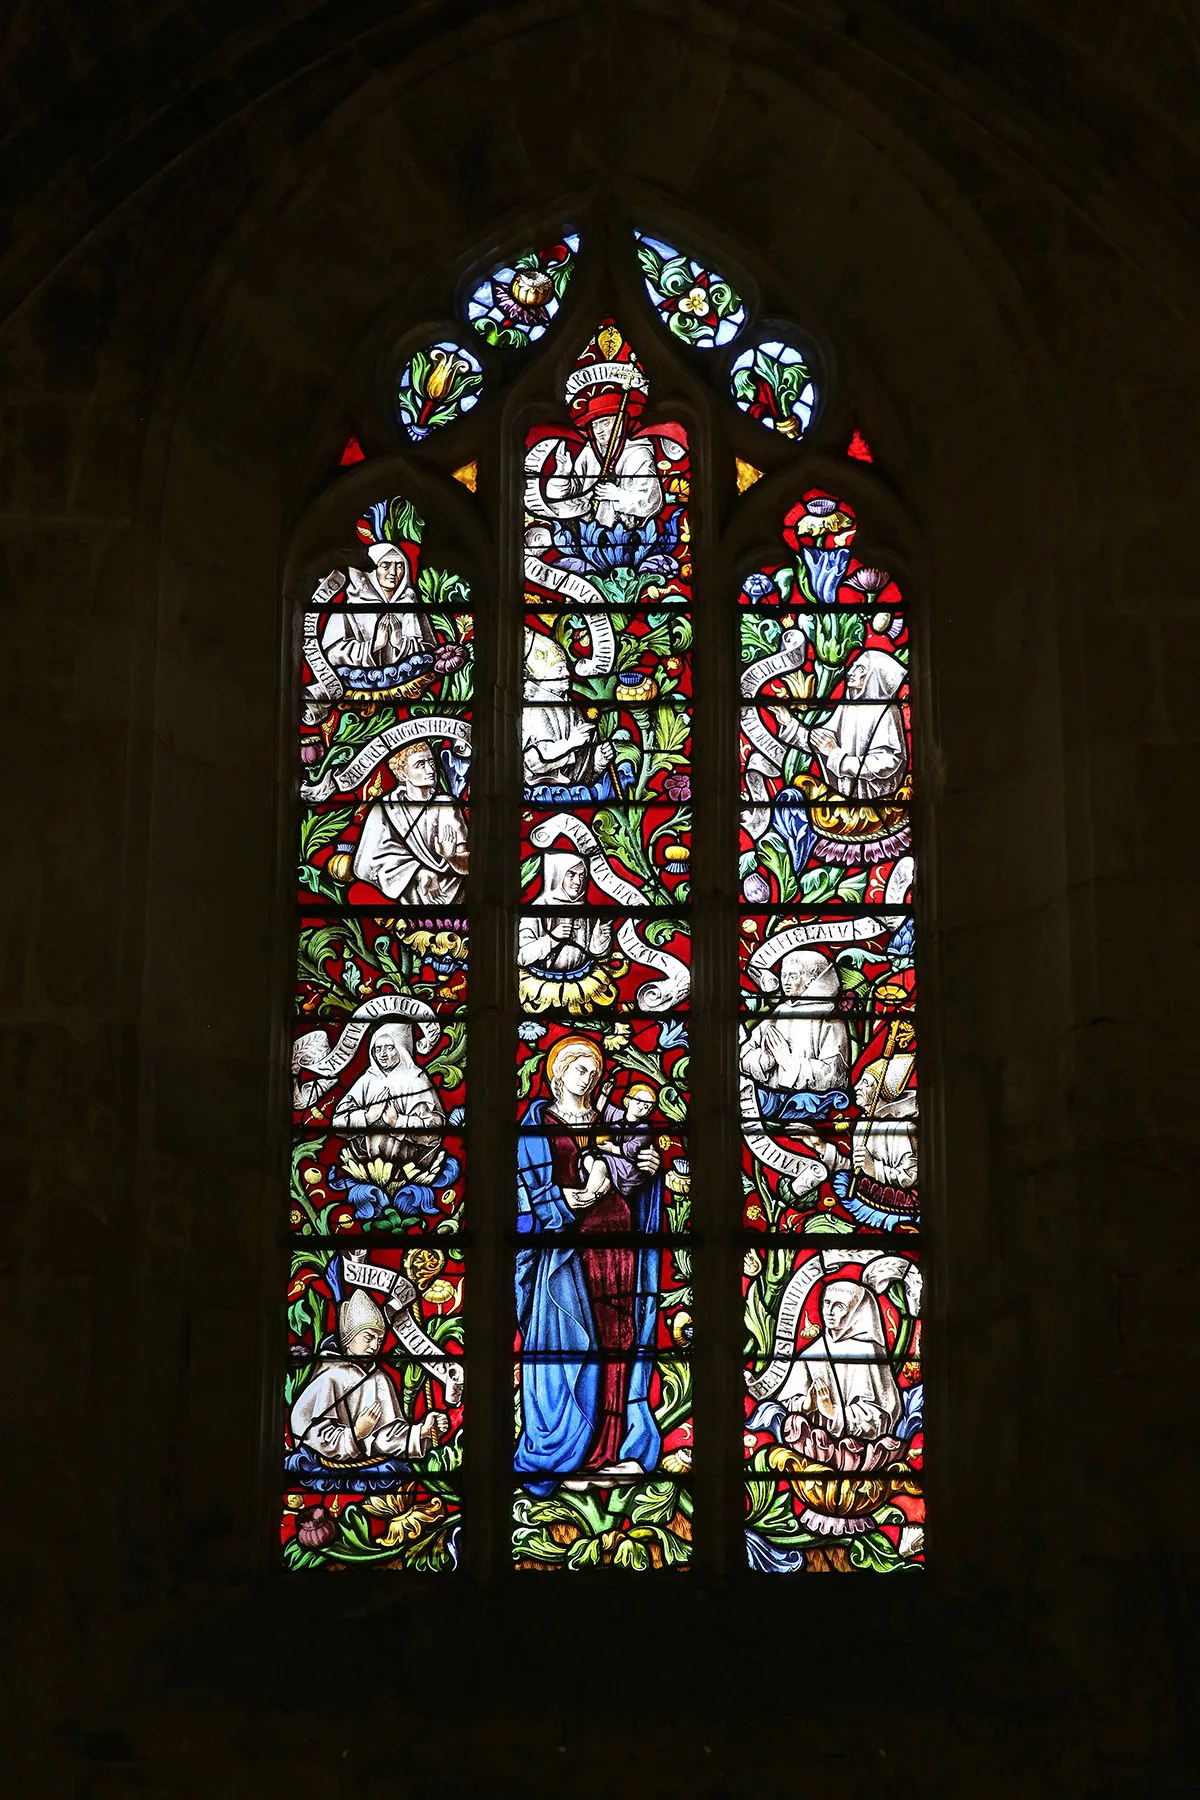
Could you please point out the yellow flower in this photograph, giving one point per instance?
(446, 365)
(679, 1462)
(406, 1518)
(695, 302)
(440, 1293)
(566, 993)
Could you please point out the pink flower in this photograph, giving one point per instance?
(869, 581)
(845, 1454)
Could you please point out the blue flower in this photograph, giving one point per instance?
(911, 1417)
(901, 941)
(367, 1199)
(457, 1115)
(790, 821)
(415, 1198)
(529, 1031)
(757, 587)
(826, 572)
(673, 1035)
(604, 548)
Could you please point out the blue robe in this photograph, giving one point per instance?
(560, 1398)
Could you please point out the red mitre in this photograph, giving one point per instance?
(607, 377)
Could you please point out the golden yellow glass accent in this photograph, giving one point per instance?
(468, 474)
(747, 474)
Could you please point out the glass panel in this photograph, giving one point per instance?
(588, 962)
(640, 1296)
(573, 755)
(829, 1124)
(606, 496)
(790, 655)
(600, 1064)
(696, 304)
(388, 1182)
(345, 960)
(858, 750)
(592, 1421)
(636, 655)
(394, 1072)
(825, 853)
(393, 752)
(633, 1526)
(414, 1527)
(840, 970)
(516, 301)
(833, 1378)
(437, 385)
(820, 529)
(772, 382)
(376, 657)
(374, 1388)
(820, 1526)
(633, 855)
(401, 847)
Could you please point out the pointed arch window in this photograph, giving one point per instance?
(604, 1228)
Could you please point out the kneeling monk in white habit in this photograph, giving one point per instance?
(349, 1411)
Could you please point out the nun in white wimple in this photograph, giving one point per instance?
(861, 749)
(378, 640)
(393, 1091)
(843, 1381)
(562, 945)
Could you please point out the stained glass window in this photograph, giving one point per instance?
(601, 999)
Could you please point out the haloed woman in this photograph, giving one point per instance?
(577, 1302)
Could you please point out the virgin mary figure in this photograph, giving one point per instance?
(578, 1303)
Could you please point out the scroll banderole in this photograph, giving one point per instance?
(889, 1045)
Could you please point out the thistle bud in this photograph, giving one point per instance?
(316, 1529)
